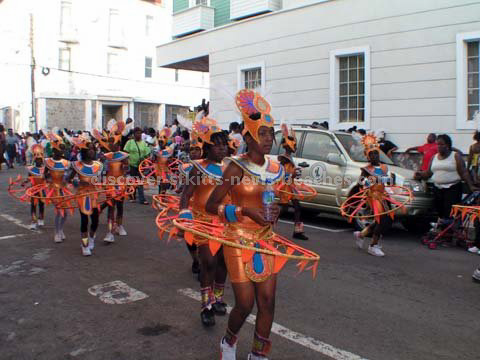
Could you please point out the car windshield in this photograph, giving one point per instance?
(354, 147)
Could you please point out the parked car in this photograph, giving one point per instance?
(331, 163)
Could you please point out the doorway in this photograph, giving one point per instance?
(111, 112)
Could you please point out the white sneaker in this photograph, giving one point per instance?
(58, 238)
(256, 357)
(476, 274)
(86, 250)
(121, 230)
(109, 238)
(473, 250)
(33, 226)
(359, 240)
(91, 243)
(375, 250)
(62, 234)
(41, 222)
(227, 352)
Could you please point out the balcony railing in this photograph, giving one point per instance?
(240, 9)
(192, 20)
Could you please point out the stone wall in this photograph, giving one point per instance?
(146, 115)
(66, 113)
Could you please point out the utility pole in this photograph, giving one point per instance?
(33, 118)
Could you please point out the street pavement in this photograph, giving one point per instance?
(414, 303)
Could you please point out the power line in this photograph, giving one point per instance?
(111, 77)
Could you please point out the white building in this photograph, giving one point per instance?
(94, 61)
(410, 67)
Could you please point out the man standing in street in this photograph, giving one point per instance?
(12, 143)
(428, 150)
(138, 151)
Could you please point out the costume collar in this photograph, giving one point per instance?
(209, 168)
(57, 165)
(116, 156)
(83, 169)
(36, 171)
(271, 170)
(165, 153)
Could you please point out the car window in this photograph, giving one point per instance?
(277, 148)
(318, 146)
(355, 149)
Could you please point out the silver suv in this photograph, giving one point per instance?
(331, 163)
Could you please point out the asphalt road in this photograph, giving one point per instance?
(413, 304)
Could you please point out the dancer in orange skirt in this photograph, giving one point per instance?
(201, 181)
(37, 177)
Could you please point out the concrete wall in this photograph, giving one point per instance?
(65, 113)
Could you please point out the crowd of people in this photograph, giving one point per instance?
(227, 226)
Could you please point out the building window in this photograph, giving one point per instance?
(66, 25)
(64, 59)
(115, 32)
(199, 2)
(112, 64)
(148, 67)
(176, 75)
(148, 25)
(468, 79)
(473, 79)
(251, 76)
(350, 88)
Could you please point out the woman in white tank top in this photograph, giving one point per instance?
(447, 170)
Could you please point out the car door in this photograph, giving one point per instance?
(326, 167)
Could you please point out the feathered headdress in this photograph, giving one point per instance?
(37, 151)
(165, 135)
(81, 141)
(255, 112)
(205, 127)
(370, 143)
(289, 139)
(114, 134)
(55, 140)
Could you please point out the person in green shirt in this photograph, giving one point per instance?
(138, 150)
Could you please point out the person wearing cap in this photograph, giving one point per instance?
(386, 146)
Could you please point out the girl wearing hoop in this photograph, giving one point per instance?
(37, 177)
(374, 177)
(246, 221)
(202, 180)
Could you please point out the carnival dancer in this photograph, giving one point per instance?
(56, 169)
(289, 144)
(37, 177)
(89, 172)
(202, 180)
(116, 162)
(162, 158)
(375, 176)
(253, 275)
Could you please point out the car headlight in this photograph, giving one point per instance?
(415, 186)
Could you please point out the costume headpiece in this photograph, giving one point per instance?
(114, 134)
(165, 135)
(370, 143)
(81, 141)
(205, 127)
(55, 140)
(255, 112)
(37, 151)
(289, 139)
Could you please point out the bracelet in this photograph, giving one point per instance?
(221, 213)
(185, 214)
(230, 213)
(238, 213)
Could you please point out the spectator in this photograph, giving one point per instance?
(138, 151)
(386, 146)
(2, 145)
(447, 169)
(12, 143)
(473, 158)
(428, 150)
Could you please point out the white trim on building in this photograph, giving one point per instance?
(335, 55)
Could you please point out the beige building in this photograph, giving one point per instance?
(410, 67)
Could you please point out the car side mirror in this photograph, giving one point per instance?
(303, 164)
(335, 159)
